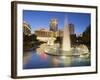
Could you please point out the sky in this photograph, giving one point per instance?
(41, 19)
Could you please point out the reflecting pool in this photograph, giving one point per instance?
(38, 59)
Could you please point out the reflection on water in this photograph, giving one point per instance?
(39, 59)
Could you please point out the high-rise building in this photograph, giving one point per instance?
(26, 28)
(54, 24)
(71, 29)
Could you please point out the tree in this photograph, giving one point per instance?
(58, 40)
(26, 38)
(33, 37)
(73, 39)
(87, 36)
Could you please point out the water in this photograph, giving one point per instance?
(34, 59)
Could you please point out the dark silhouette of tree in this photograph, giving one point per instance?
(26, 38)
(87, 36)
(73, 39)
(33, 37)
(58, 40)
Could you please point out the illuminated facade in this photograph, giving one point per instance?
(59, 33)
(43, 33)
(26, 29)
(54, 24)
(47, 33)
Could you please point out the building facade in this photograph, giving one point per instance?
(44, 35)
(48, 33)
(71, 29)
(26, 28)
(54, 24)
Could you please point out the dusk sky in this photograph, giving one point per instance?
(41, 19)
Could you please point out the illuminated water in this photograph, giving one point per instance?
(33, 59)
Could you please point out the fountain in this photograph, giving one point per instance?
(66, 46)
(66, 49)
